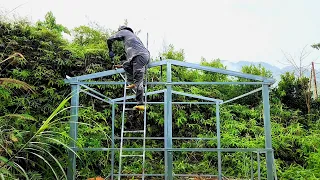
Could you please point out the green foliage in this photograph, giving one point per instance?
(316, 46)
(24, 150)
(50, 24)
(170, 53)
(254, 99)
(256, 70)
(292, 91)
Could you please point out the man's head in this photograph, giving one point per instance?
(125, 27)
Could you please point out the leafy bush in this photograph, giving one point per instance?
(48, 58)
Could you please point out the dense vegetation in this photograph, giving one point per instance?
(35, 59)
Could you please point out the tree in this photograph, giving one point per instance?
(171, 53)
(316, 46)
(50, 23)
(253, 99)
(299, 71)
(291, 91)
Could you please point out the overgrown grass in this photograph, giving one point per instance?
(21, 149)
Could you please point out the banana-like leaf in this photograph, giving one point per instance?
(56, 111)
(5, 81)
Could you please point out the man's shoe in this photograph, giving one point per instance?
(131, 86)
(139, 107)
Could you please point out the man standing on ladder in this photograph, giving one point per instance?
(137, 57)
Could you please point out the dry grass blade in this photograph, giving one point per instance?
(21, 116)
(23, 85)
(12, 56)
(4, 149)
(5, 81)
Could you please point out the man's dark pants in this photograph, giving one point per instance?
(135, 70)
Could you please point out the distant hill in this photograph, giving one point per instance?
(276, 71)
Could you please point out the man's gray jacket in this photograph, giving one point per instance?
(132, 44)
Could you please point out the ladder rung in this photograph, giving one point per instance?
(129, 109)
(131, 155)
(140, 131)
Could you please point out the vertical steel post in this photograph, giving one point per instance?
(218, 140)
(112, 139)
(165, 134)
(274, 167)
(145, 124)
(245, 163)
(267, 130)
(169, 120)
(251, 157)
(258, 159)
(73, 130)
(122, 125)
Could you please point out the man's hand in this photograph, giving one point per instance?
(111, 54)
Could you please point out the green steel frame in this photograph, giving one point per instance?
(79, 82)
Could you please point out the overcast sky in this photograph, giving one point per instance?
(234, 30)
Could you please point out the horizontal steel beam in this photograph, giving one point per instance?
(102, 82)
(131, 97)
(174, 62)
(171, 83)
(129, 175)
(176, 175)
(94, 75)
(197, 96)
(108, 73)
(195, 175)
(178, 149)
(157, 63)
(193, 103)
(98, 93)
(243, 95)
(206, 83)
(259, 152)
(90, 94)
(120, 102)
(222, 71)
(161, 138)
